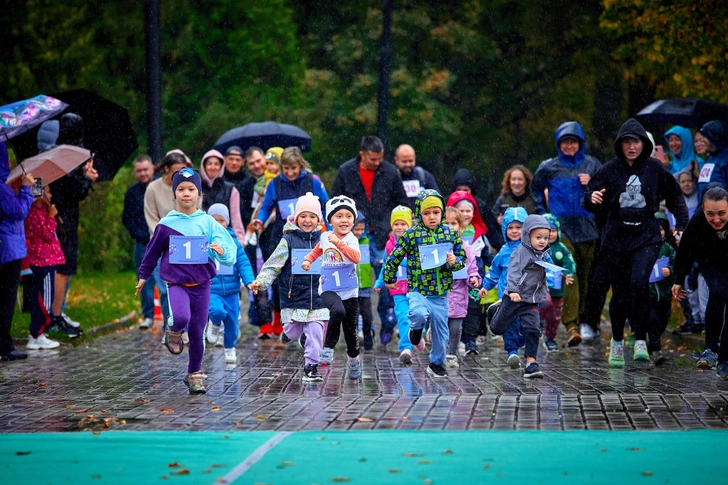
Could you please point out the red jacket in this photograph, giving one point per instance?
(44, 249)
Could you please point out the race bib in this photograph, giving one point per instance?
(461, 274)
(705, 173)
(402, 270)
(287, 208)
(550, 267)
(366, 257)
(338, 277)
(188, 249)
(468, 239)
(297, 256)
(554, 279)
(656, 274)
(434, 255)
(221, 269)
(411, 187)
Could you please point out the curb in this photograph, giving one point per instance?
(99, 330)
(689, 340)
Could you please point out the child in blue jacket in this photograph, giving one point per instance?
(225, 290)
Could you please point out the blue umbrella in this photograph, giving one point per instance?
(22, 116)
(265, 135)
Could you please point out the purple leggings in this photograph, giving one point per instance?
(188, 307)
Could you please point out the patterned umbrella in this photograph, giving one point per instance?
(22, 116)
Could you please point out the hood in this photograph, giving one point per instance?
(682, 160)
(512, 214)
(464, 177)
(360, 217)
(633, 129)
(4, 163)
(477, 222)
(418, 203)
(534, 221)
(717, 132)
(180, 216)
(48, 135)
(203, 175)
(663, 221)
(571, 129)
(70, 131)
(554, 224)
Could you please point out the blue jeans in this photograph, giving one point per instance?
(225, 309)
(147, 293)
(401, 311)
(163, 299)
(512, 338)
(432, 310)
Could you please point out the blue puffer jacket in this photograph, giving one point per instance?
(14, 208)
(229, 284)
(560, 175)
(496, 275)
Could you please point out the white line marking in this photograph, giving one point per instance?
(253, 458)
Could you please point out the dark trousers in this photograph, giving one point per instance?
(716, 333)
(41, 295)
(341, 313)
(659, 315)
(9, 275)
(629, 273)
(365, 310)
(259, 312)
(596, 295)
(507, 315)
(471, 322)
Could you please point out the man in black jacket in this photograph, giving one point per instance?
(414, 178)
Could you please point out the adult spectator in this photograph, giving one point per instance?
(215, 190)
(680, 143)
(68, 192)
(515, 191)
(627, 191)
(15, 205)
(715, 169)
(235, 174)
(464, 180)
(564, 178)
(414, 178)
(133, 219)
(375, 186)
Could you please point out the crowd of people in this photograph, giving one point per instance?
(649, 224)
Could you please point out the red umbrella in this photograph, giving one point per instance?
(51, 165)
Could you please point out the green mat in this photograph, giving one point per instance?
(401, 457)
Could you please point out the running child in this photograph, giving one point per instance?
(188, 241)
(433, 252)
(302, 310)
(225, 291)
(339, 285)
(364, 275)
(661, 295)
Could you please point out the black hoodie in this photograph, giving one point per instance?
(633, 195)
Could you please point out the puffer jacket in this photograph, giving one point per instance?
(457, 299)
(300, 290)
(429, 282)
(229, 284)
(218, 191)
(498, 271)
(14, 208)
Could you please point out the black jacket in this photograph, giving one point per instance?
(495, 237)
(245, 184)
(387, 193)
(133, 214)
(633, 195)
(702, 244)
(219, 193)
(299, 291)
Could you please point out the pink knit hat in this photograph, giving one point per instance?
(308, 203)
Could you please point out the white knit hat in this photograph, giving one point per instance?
(337, 203)
(219, 210)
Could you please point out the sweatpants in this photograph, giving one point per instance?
(596, 296)
(163, 295)
(365, 310)
(716, 333)
(401, 311)
(430, 310)
(341, 313)
(550, 314)
(506, 316)
(575, 301)
(224, 309)
(188, 307)
(147, 292)
(629, 273)
(259, 311)
(659, 315)
(9, 275)
(455, 327)
(471, 322)
(41, 298)
(314, 332)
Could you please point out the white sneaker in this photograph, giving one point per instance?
(587, 333)
(185, 338)
(451, 362)
(230, 356)
(42, 342)
(68, 320)
(146, 323)
(461, 348)
(480, 340)
(212, 333)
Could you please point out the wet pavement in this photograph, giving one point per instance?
(128, 381)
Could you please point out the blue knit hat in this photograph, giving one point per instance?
(187, 175)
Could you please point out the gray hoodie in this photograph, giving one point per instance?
(525, 277)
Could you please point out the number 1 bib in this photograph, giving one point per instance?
(188, 249)
(222, 269)
(434, 255)
(338, 277)
(287, 207)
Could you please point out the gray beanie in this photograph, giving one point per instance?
(219, 210)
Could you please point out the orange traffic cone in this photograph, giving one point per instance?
(157, 305)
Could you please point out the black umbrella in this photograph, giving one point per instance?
(687, 112)
(108, 132)
(265, 135)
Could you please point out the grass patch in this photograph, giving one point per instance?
(94, 299)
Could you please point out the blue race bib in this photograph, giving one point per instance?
(402, 270)
(554, 279)
(365, 254)
(221, 269)
(339, 277)
(188, 249)
(434, 255)
(461, 274)
(297, 256)
(287, 208)
(656, 274)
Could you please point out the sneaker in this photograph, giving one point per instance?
(587, 332)
(385, 336)
(492, 310)
(451, 362)
(707, 360)
(532, 371)
(231, 356)
(302, 340)
(436, 371)
(185, 337)
(173, 341)
(145, 324)
(722, 370)
(513, 360)
(194, 382)
(69, 321)
(213, 333)
(550, 345)
(14, 354)
(686, 327)
(369, 340)
(471, 348)
(58, 324)
(415, 337)
(461, 348)
(311, 374)
(284, 338)
(616, 354)
(574, 338)
(406, 357)
(360, 334)
(657, 357)
(354, 367)
(42, 342)
(266, 330)
(640, 351)
(480, 340)
(327, 356)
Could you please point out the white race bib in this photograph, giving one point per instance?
(411, 187)
(705, 173)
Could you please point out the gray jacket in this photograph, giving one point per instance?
(525, 277)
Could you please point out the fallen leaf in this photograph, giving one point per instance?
(394, 470)
(96, 477)
(218, 465)
(604, 450)
(104, 411)
(336, 442)
(108, 420)
(96, 432)
(647, 474)
(365, 420)
(122, 421)
(320, 438)
(141, 400)
(486, 467)
(226, 437)
(341, 479)
(105, 426)
(174, 464)
(81, 411)
(681, 347)
(209, 470)
(287, 463)
(167, 411)
(80, 423)
(447, 452)
(22, 453)
(427, 481)
(424, 462)
(215, 408)
(212, 402)
(260, 416)
(413, 454)
(633, 449)
(183, 471)
(362, 460)
(42, 384)
(90, 417)
(70, 406)
(164, 477)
